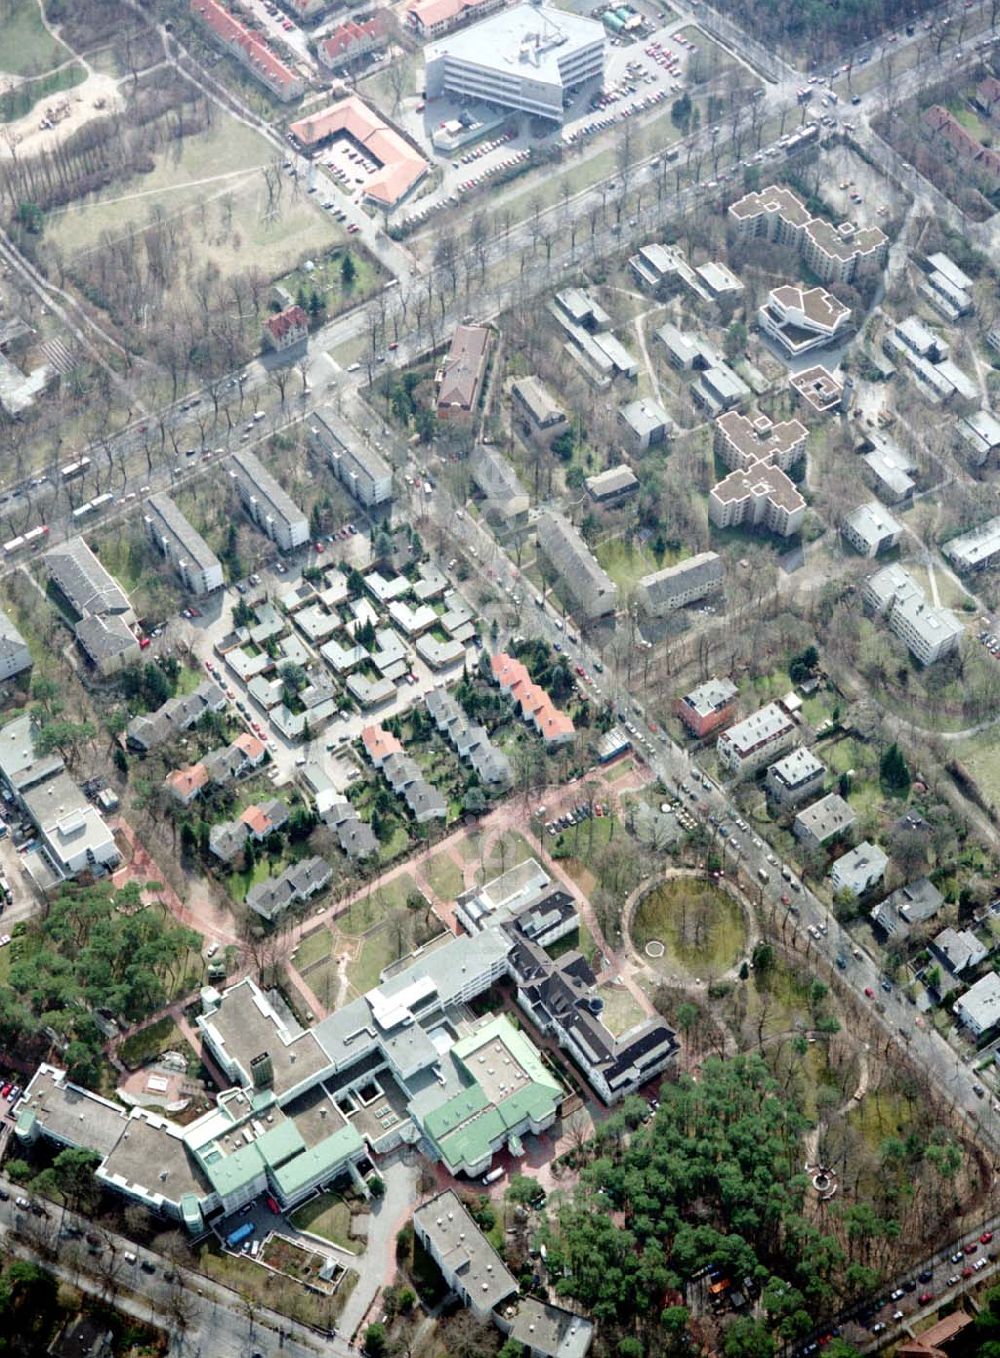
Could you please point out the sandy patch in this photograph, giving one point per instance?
(96, 97)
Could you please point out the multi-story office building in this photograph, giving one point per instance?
(531, 58)
(799, 319)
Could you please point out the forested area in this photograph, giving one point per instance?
(817, 25)
(716, 1181)
(96, 949)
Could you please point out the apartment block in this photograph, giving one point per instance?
(836, 254)
(871, 529)
(742, 442)
(611, 487)
(707, 707)
(460, 377)
(929, 633)
(664, 591)
(976, 550)
(359, 467)
(762, 497)
(756, 740)
(249, 50)
(192, 558)
(794, 778)
(15, 657)
(590, 587)
(274, 512)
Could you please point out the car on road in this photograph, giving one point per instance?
(925, 1297)
(869, 992)
(986, 1237)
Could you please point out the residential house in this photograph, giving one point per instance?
(352, 40)
(357, 465)
(185, 784)
(227, 839)
(756, 740)
(915, 903)
(285, 329)
(859, 869)
(424, 801)
(794, 778)
(249, 49)
(829, 818)
(979, 1008)
(299, 882)
(590, 587)
(470, 740)
(460, 378)
(379, 744)
(507, 502)
(146, 732)
(956, 951)
(537, 708)
(535, 411)
(707, 707)
(762, 497)
(433, 18)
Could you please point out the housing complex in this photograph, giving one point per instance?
(356, 464)
(187, 551)
(756, 740)
(929, 633)
(272, 510)
(758, 491)
(588, 585)
(104, 617)
(833, 253)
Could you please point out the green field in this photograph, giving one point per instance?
(313, 948)
(216, 178)
(444, 876)
(981, 757)
(701, 927)
(26, 46)
(329, 1216)
(621, 1009)
(378, 951)
(628, 562)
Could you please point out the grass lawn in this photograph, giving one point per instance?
(239, 883)
(26, 45)
(880, 1114)
(701, 927)
(328, 1216)
(509, 849)
(619, 770)
(580, 940)
(389, 896)
(313, 948)
(627, 562)
(279, 1293)
(377, 952)
(217, 177)
(397, 843)
(444, 876)
(326, 279)
(621, 1009)
(981, 756)
(19, 102)
(161, 1036)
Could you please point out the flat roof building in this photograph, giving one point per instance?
(980, 435)
(644, 423)
(833, 253)
(756, 740)
(800, 319)
(530, 58)
(360, 468)
(817, 386)
(274, 512)
(741, 441)
(192, 558)
(871, 529)
(761, 497)
(15, 657)
(795, 777)
(827, 819)
(708, 707)
(859, 869)
(664, 591)
(590, 587)
(977, 549)
(979, 1008)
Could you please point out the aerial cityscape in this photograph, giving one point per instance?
(499, 678)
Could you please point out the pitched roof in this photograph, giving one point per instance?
(292, 318)
(400, 166)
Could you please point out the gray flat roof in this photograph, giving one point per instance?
(531, 41)
(464, 1250)
(169, 520)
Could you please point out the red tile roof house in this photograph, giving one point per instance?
(379, 744)
(253, 750)
(186, 784)
(945, 126)
(250, 50)
(552, 724)
(286, 328)
(352, 40)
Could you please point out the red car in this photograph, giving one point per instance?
(273, 1205)
(6, 1090)
(925, 1297)
(869, 992)
(986, 1237)
(967, 1272)
(972, 1247)
(319, 547)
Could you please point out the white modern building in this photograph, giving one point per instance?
(799, 319)
(859, 869)
(756, 740)
(979, 1008)
(531, 58)
(192, 558)
(928, 632)
(271, 509)
(976, 550)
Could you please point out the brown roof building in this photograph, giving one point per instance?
(834, 253)
(460, 378)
